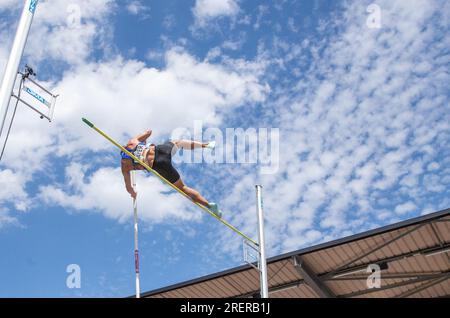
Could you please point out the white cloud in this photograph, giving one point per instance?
(3, 58)
(235, 44)
(404, 208)
(65, 31)
(127, 92)
(103, 191)
(206, 10)
(6, 220)
(357, 137)
(10, 4)
(356, 140)
(153, 55)
(292, 25)
(115, 87)
(133, 89)
(137, 8)
(433, 166)
(12, 191)
(263, 10)
(434, 183)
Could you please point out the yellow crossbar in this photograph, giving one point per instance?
(87, 122)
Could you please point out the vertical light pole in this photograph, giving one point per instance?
(12, 67)
(136, 248)
(262, 247)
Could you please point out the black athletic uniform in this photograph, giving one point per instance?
(163, 160)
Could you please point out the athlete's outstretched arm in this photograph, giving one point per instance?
(126, 169)
(144, 136)
(189, 144)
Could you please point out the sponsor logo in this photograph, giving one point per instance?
(37, 96)
(33, 4)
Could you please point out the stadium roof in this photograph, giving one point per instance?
(413, 255)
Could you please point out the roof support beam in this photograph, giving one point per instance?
(274, 289)
(423, 287)
(445, 275)
(387, 276)
(380, 246)
(330, 276)
(385, 260)
(441, 242)
(442, 220)
(298, 283)
(361, 264)
(311, 278)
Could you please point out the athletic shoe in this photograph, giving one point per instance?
(215, 209)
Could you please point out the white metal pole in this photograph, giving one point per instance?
(12, 67)
(262, 247)
(136, 249)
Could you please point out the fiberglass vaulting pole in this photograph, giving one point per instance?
(12, 67)
(136, 246)
(262, 247)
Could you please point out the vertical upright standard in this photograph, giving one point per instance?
(15, 56)
(261, 242)
(136, 249)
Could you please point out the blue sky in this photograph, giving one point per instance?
(362, 112)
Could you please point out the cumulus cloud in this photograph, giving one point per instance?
(405, 208)
(10, 4)
(12, 191)
(130, 88)
(207, 10)
(137, 8)
(125, 92)
(3, 58)
(355, 106)
(103, 191)
(117, 88)
(357, 147)
(263, 10)
(65, 31)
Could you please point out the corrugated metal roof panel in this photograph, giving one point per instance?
(408, 272)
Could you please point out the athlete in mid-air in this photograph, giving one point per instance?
(159, 158)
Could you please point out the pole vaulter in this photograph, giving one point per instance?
(148, 168)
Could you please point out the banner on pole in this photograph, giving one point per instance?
(35, 96)
(33, 5)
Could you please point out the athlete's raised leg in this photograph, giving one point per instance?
(197, 197)
(192, 193)
(191, 144)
